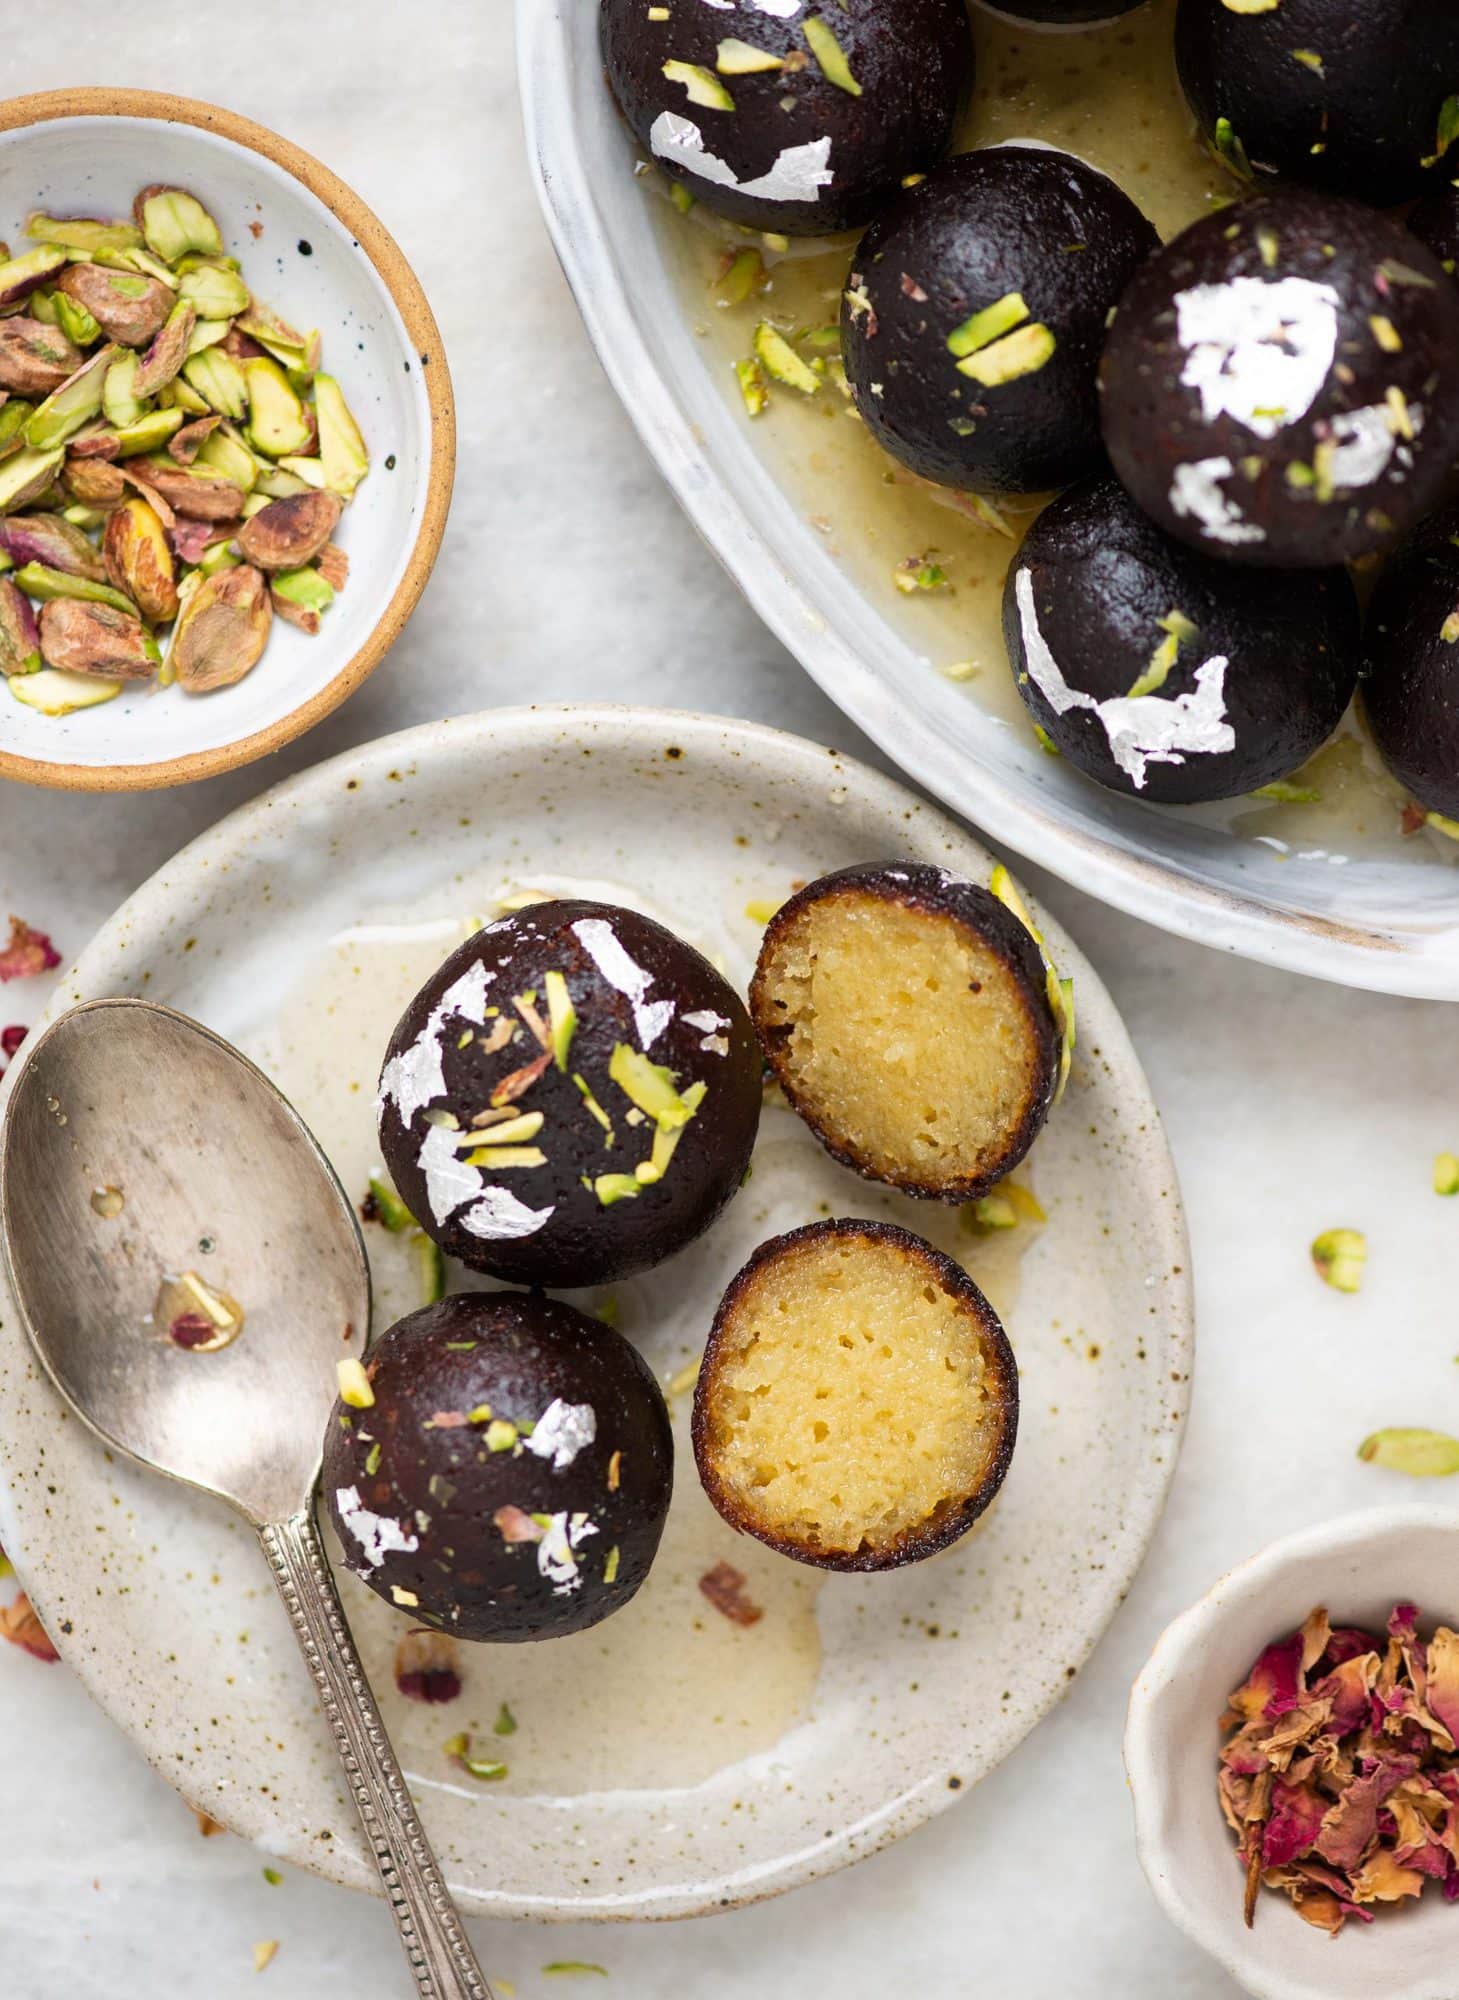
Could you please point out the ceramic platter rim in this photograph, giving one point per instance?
(1135, 1407)
(816, 611)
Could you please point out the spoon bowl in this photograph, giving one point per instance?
(190, 1273)
(216, 1178)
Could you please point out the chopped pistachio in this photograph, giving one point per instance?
(743, 274)
(1287, 794)
(372, 1460)
(607, 1187)
(1339, 1256)
(593, 1106)
(1448, 130)
(1309, 59)
(54, 691)
(1025, 1203)
(354, 1384)
(75, 403)
(389, 1209)
(482, 1413)
(26, 474)
(1046, 742)
(264, 1953)
(45, 585)
(1017, 354)
(752, 387)
(20, 276)
(701, 84)
(610, 1566)
(172, 221)
(681, 197)
(1386, 334)
(219, 380)
(988, 325)
(562, 1017)
(224, 451)
(75, 321)
(1230, 149)
(277, 422)
(342, 452)
(406, 1599)
(484, 1768)
(150, 431)
(431, 1266)
(829, 54)
(506, 1722)
(781, 362)
(119, 397)
(213, 293)
(1421, 1454)
(650, 1086)
(666, 1140)
(81, 232)
(1178, 631)
(501, 1435)
(761, 912)
(991, 1212)
(737, 58)
(164, 358)
(916, 573)
(1446, 1174)
(1270, 246)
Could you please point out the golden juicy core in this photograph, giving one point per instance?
(909, 1042)
(847, 1404)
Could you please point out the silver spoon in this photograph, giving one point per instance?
(120, 1098)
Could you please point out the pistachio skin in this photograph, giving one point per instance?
(93, 482)
(20, 643)
(35, 358)
(166, 354)
(515, 1356)
(94, 639)
(130, 309)
(289, 534)
(139, 560)
(221, 631)
(199, 495)
(48, 539)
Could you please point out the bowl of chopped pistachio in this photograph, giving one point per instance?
(1291, 1751)
(227, 440)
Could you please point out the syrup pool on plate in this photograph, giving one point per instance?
(669, 1690)
(1110, 95)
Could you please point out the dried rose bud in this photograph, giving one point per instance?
(28, 953)
(139, 560)
(428, 1667)
(20, 644)
(93, 482)
(95, 639)
(289, 534)
(126, 306)
(49, 539)
(222, 630)
(201, 495)
(168, 351)
(35, 358)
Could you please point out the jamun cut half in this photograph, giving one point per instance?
(908, 1017)
(858, 1401)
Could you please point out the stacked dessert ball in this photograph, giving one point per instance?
(1275, 391)
(575, 1095)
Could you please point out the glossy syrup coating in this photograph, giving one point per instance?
(975, 314)
(1342, 95)
(1281, 382)
(1165, 674)
(786, 114)
(1411, 665)
(1063, 13)
(600, 1153)
(511, 1479)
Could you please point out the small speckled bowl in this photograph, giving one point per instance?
(669, 1761)
(88, 152)
(1359, 1567)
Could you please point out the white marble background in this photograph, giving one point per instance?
(568, 572)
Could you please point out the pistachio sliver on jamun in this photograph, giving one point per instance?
(909, 1018)
(857, 1405)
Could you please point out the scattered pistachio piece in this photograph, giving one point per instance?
(354, 1384)
(752, 387)
(431, 1265)
(701, 84)
(501, 1434)
(830, 56)
(988, 325)
(781, 362)
(55, 691)
(172, 222)
(916, 573)
(1339, 1257)
(1017, 354)
(611, 1187)
(650, 1086)
(1287, 794)
(1421, 1454)
(610, 1566)
(1446, 1174)
(562, 1017)
(506, 1722)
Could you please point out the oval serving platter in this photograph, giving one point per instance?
(1340, 895)
(669, 1761)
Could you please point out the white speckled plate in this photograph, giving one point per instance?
(668, 1762)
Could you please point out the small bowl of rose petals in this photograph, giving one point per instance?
(1293, 1754)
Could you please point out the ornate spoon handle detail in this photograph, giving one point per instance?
(429, 1923)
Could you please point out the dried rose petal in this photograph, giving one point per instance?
(1442, 1692)
(1296, 1819)
(1348, 1687)
(191, 1330)
(515, 1526)
(28, 953)
(427, 1666)
(19, 1624)
(724, 1586)
(1347, 1642)
(1352, 1824)
(1382, 1879)
(11, 1038)
(446, 1420)
(1274, 1684)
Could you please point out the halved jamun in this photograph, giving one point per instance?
(908, 1018)
(510, 1474)
(1344, 97)
(975, 314)
(572, 1097)
(858, 1401)
(1160, 672)
(1411, 670)
(1281, 383)
(788, 116)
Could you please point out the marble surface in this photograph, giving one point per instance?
(568, 572)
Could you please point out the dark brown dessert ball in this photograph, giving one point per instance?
(511, 1478)
(975, 315)
(1281, 383)
(858, 1402)
(790, 117)
(571, 1098)
(1435, 222)
(907, 1016)
(1343, 95)
(1163, 673)
(1063, 13)
(1411, 669)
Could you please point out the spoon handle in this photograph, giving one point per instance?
(427, 1919)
